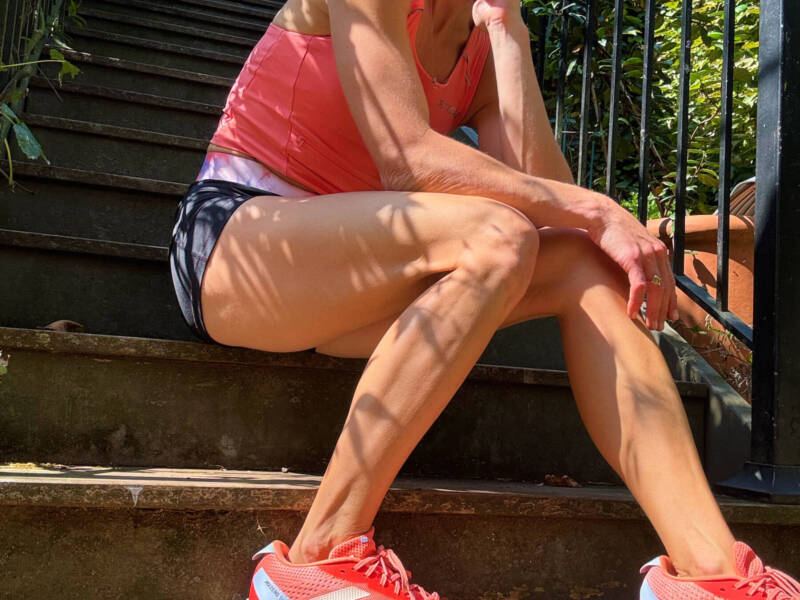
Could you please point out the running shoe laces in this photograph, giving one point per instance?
(386, 565)
(775, 584)
(771, 583)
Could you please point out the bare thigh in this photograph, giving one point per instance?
(568, 263)
(292, 274)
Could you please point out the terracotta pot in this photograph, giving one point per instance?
(727, 355)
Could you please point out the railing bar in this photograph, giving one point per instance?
(647, 93)
(588, 43)
(730, 321)
(724, 193)
(613, 118)
(679, 226)
(562, 74)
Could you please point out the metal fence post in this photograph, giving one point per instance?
(774, 469)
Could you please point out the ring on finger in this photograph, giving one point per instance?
(656, 280)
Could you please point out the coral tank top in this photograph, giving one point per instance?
(288, 110)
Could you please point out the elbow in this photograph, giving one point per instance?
(397, 178)
(400, 166)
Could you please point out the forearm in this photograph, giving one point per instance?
(437, 163)
(526, 137)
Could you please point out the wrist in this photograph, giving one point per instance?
(512, 26)
(563, 204)
(601, 211)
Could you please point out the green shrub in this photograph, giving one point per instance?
(705, 105)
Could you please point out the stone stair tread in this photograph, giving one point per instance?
(108, 61)
(167, 26)
(193, 14)
(110, 345)
(95, 178)
(90, 33)
(63, 243)
(234, 7)
(206, 489)
(114, 131)
(129, 96)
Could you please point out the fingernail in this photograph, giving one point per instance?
(675, 315)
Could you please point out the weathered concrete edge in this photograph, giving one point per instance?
(167, 26)
(278, 492)
(728, 415)
(134, 347)
(154, 187)
(121, 95)
(114, 131)
(62, 243)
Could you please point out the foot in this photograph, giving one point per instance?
(753, 581)
(354, 569)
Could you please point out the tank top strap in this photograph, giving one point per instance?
(416, 5)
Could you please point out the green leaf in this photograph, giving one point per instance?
(706, 179)
(67, 68)
(27, 141)
(6, 110)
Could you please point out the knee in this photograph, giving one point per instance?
(590, 266)
(503, 249)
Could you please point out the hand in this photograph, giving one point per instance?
(496, 12)
(645, 259)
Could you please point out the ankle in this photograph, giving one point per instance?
(306, 550)
(710, 564)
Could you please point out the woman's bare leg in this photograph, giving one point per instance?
(289, 274)
(623, 389)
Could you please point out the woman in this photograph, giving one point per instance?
(333, 212)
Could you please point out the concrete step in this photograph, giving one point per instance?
(151, 52)
(173, 33)
(133, 110)
(132, 76)
(226, 7)
(188, 16)
(64, 205)
(148, 402)
(117, 150)
(110, 287)
(169, 535)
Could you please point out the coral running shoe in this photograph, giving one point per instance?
(754, 581)
(354, 570)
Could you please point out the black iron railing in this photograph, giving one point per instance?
(775, 335)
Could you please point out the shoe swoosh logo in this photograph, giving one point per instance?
(348, 593)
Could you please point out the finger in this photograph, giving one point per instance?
(673, 297)
(673, 307)
(638, 282)
(667, 283)
(670, 298)
(673, 313)
(654, 291)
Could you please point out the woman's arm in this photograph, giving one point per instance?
(379, 78)
(512, 122)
